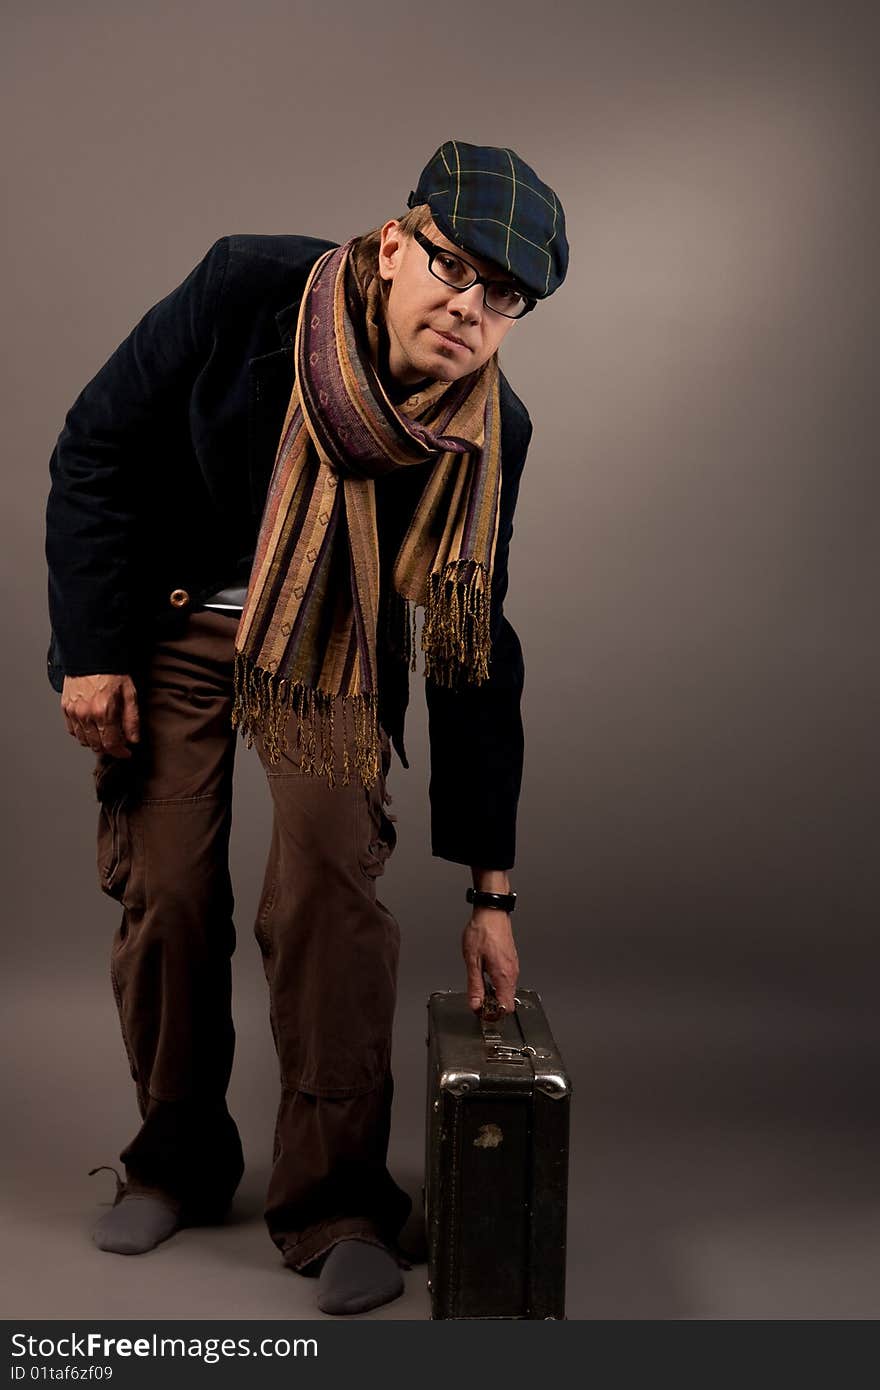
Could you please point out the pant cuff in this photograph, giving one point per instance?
(300, 1254)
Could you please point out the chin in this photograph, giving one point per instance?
(444, 368)
(434, 370)
(440, 372)
(440, 365)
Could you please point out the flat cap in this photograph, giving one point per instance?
(490, 202)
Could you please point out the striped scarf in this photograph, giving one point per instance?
(307, 639)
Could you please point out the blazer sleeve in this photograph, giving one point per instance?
(97, 469)
(476, 733)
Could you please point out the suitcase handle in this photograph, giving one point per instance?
(491, 1015)
(490, 1010)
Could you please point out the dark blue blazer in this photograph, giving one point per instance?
(159, 477)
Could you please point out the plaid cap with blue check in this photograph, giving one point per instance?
(491, 203)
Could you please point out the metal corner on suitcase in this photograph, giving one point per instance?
(457, 1082)
(554, 1084)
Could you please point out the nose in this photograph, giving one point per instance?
(468, 304)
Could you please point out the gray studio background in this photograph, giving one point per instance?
(693, 578)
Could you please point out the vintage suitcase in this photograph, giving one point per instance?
(496, 1162)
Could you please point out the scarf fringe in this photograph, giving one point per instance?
(262, 706)
(455, 640)
(455, 634)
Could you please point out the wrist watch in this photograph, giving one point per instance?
(504, 902)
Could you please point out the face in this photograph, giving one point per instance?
(421, 310)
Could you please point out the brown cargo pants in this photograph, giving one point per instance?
(329, 949)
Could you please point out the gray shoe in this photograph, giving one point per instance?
(140, 1218)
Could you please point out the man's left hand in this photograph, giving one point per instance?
(488, 944)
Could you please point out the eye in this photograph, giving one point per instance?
(452, 270)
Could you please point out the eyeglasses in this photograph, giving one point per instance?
(501, 296)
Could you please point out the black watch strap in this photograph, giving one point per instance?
(504, 902)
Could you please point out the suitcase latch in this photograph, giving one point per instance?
(503, 1052)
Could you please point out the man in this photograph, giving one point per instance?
(238, 534)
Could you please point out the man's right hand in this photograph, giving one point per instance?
(101, 712)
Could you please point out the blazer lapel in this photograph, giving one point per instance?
(270, 382)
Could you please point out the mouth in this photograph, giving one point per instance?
(451, 339)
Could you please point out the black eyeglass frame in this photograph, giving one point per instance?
(434, 250)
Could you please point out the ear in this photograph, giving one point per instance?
(391, 249)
